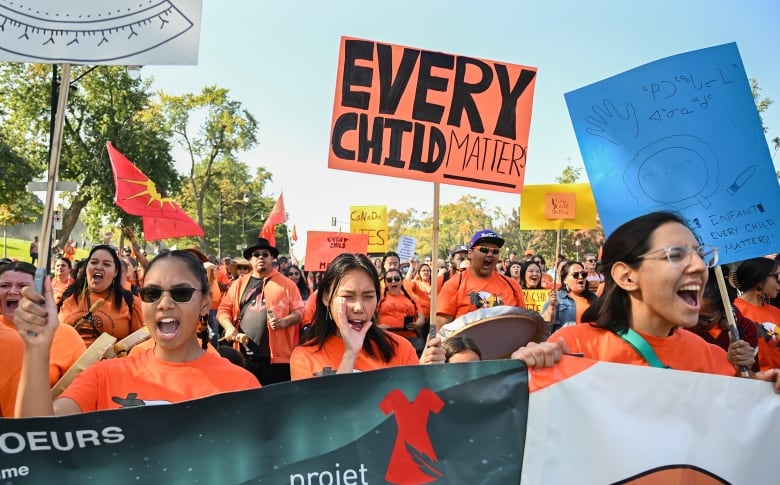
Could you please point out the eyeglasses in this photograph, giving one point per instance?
(775, 275)
(152, 294)
(393, 279)
(590, 260)
(578, 274)
(487, 250)
(682, 254)
(260, 254)
(293, 274)
(243, 268)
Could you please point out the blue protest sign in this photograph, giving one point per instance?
(682, 134)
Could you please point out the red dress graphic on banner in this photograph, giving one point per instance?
(413, 458)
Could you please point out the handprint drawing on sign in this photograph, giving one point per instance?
(615, 127)
(675, 172)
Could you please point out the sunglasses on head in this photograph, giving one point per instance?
(260, 254)
(393, 279)
(488, 250)
(180, 294)
(578, 274)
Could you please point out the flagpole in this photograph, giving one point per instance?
(434, 258)
(44, 262)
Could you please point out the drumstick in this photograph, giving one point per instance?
(124, 346)
(93, 354)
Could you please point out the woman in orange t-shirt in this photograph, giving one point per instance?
(758, 281)
(398, 311)
(569, 303)
(343, 337)
(62, 277)
(421, 289)
(66, 347)
(119, 314)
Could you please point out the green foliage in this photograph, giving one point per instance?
(212, 129)
(104, 104)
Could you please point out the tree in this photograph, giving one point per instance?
(224, 129)
(104, 104)
(763, 104)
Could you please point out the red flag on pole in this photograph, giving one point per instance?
(277, 216)
(136, 194)
(294, 235)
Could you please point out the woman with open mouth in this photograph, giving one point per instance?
(399, 313)
(175, 295)
(566, 306)
(655, 272)
(343, 337)
(96, 302)
(67, 345)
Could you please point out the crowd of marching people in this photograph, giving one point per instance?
(209, 326)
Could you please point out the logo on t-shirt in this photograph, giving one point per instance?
(483, 299)
(132, 401)
(413, 460)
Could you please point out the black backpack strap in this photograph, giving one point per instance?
(128, 296)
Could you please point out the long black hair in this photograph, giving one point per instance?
(303, 288)
(79, 287)
(627, 244)
(377, 344)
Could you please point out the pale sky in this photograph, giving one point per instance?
(280, 58)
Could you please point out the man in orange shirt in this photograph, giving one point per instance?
(262, 310)
(479, 286)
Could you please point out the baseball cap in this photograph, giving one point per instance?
(488, 236)
(460, 248)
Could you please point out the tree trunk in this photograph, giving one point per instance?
(71, 217)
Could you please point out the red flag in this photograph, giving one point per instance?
(136, 194)
(277, 216)
(294, 235)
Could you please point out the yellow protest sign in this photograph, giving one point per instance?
(370, 220)
(557, 206)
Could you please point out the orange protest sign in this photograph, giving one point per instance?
(557, 206)
(323, 247)
(560, 205)
(417, 114)
(372, 221)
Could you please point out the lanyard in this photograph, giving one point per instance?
(642, 348)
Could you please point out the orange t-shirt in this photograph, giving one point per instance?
(421, 292)
(683, 350)
(142, 379)
(580, 303)
(58, 287)
(107, 318)
(310, 361)
(768, 350)
(465, 293)
(66, 348)
(392, 311)
(216, 295)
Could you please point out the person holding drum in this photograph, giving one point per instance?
(655, 272)
(175, 295)
(480, 286)
(343, 337)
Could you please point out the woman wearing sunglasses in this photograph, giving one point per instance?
(655, 272)
(175, 369)
(565, 306)
(398, 311)
(119, 314)
(344, 337)
(758, 281)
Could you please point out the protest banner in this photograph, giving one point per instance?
(423, 115)
(682, 134)
(372, 221)
(323, 247)
(557, 206)
(617, 423)
(534, 299)
(403, 425)
(488, 422)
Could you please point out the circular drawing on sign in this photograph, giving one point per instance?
(89, 31)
